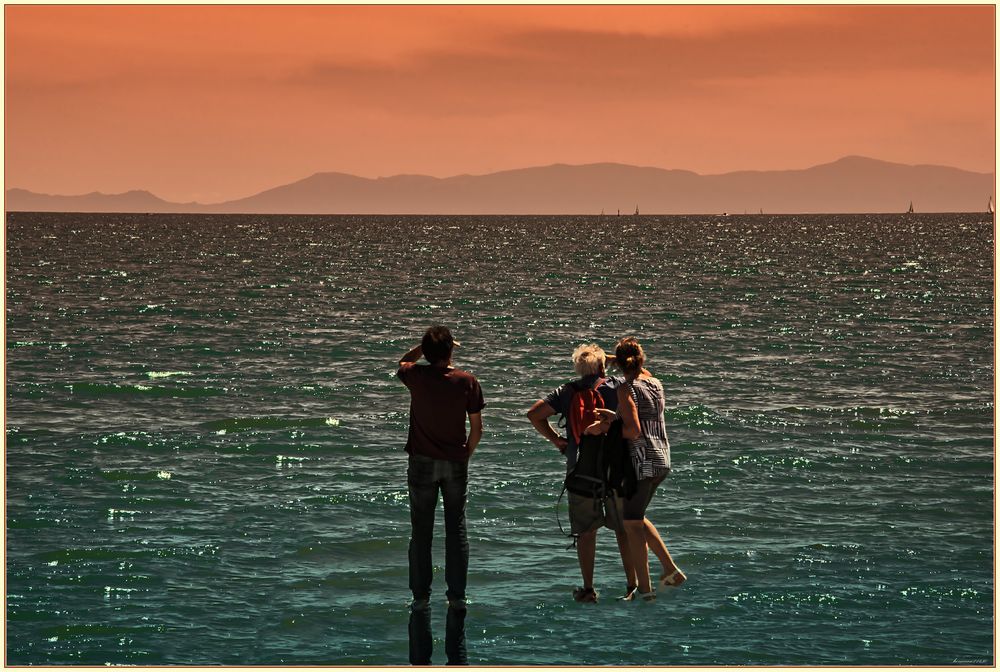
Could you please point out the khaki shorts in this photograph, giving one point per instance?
(588, 515)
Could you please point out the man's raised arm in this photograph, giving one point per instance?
(412, 356)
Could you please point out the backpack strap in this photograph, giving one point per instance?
(563, 421)
(574, 537)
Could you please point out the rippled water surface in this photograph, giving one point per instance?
(204, 435)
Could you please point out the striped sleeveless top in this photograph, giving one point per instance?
(651, 451)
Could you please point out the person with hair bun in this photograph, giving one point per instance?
(641, 406)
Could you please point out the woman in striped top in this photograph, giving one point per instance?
(640, 405)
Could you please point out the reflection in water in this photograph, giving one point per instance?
(422, 642)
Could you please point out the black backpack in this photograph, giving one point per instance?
(603, 466)
(589, 476)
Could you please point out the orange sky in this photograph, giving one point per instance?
(211, 103)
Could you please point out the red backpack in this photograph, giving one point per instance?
(582, 407)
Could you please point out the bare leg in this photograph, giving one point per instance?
(638, 553)
(655, 543)
(631, 580)
(586, 549)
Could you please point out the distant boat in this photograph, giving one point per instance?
(989, 206)
(637, 209)
(910, 211)
(762, 211)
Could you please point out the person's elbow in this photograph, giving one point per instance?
(631, 433)
(539, 411)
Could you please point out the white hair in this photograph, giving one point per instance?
(588, 359)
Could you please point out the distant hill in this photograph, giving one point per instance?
(851, 184)
(130, 201)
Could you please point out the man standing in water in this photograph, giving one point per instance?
(441, 396)
(586, 515)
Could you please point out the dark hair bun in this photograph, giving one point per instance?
(629, 354)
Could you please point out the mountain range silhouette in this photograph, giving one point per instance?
(850, 184)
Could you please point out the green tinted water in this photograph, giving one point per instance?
(204, 435)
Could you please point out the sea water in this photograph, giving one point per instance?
(204, 457)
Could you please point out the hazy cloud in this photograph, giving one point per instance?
(255, 92)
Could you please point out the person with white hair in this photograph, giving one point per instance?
(586, 514)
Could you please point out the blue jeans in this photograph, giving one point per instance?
(425, 477)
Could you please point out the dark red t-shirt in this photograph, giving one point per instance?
(440, 399)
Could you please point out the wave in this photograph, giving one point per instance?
(125, 475)
(772, 461)
(115, 390)
(793, 598)
(856, 415)
(129, 439)
(860, 411)
(30, 523)
(360, 548)
(37, 344)
(266, 422)
(360, 500)
(69, 554)
(26, 390)
(99, 554)
(154, 308)
(695, 416)
(317, 390)
(704, 417)
(95, 629)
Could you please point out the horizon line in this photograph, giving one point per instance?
(498, 214)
